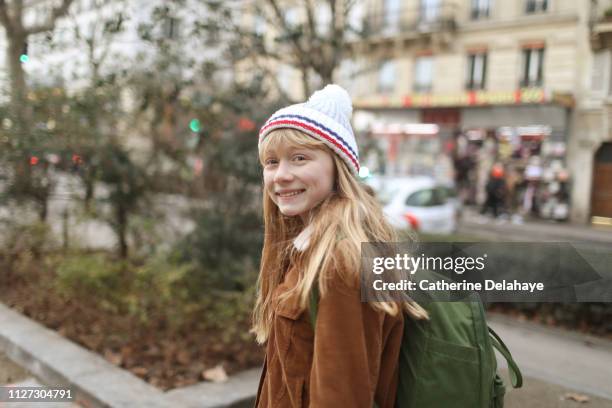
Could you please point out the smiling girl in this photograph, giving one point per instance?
(316, 215)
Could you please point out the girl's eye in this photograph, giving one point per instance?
(299, 157)
(269, 162)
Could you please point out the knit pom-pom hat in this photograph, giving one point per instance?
(326, 116)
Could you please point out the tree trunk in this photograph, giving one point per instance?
(305, 82)
(122, 218)
(17, 77)
(89, 181)
(43, 207)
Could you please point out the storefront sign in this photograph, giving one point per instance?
(425, 129)
(473, 98)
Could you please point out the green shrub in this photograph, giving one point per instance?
(164, 291)
(94, 277)
(19, 239)
(226, 250)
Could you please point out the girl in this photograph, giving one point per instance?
(316, 215)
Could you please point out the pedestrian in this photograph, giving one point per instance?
(495, 191)
(316, 214)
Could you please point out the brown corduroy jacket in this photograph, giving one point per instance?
(351, 361)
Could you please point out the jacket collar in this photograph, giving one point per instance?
(302, 240)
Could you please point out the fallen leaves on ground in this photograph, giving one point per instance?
(164, 358)
(573, 396)
(216, 374)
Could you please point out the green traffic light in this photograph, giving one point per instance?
(194, 125)
(24, 58)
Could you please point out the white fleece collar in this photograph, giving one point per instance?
(302, 241)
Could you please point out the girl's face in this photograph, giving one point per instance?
(297, 178)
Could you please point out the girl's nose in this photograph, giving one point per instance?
(283, 172)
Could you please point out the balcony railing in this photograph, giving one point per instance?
(601, 29)
(424, 19)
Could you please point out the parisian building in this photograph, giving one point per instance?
(448, 85)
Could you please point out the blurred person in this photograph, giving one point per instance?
(316, 215)
(533, 175)
(485, 159)
(513, 181)
(463, 165)
(495, 191)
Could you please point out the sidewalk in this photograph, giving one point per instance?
(13, 375)
(558, 358)
(479, 226)
(540, 394)
(554, 363)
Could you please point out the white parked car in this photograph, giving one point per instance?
(418, 203)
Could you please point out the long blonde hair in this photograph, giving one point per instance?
(349, 213)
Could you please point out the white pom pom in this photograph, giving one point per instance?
(336, 94)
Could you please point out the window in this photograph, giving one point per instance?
(291, 17)
(476, 70)
(536, 6)
(423, 74)
(259, 24)
(533, 62)
(598, 72)
(480, 9)
(171, 28)
(386, 77)
(429, 10)
(391, 16)
(356, 18)
(323, 19)
(285, 77)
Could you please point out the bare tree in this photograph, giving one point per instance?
(12, 19)
(311, 44)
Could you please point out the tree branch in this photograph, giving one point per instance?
(348, 6)
(17, 10)
(5, 20)
(300, 53)
(337, 37)
(311, 19)
(56, 13)
(274, 77)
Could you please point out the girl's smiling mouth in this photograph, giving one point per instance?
(289, 193)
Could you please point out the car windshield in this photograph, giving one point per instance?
(428, 197)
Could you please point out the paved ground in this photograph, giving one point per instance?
(555, 356)
(12, 374)
(474, 224)
(9, 371)
(540, 394)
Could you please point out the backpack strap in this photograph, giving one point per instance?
(314, 306)
(515, 373)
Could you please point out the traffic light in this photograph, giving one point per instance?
(24, 53)
(195, 125)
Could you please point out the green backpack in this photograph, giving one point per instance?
(448, 360)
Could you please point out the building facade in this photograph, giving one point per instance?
(592, 153)
(483, 82)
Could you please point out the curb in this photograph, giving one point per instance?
(238, 392)
(96, 383)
